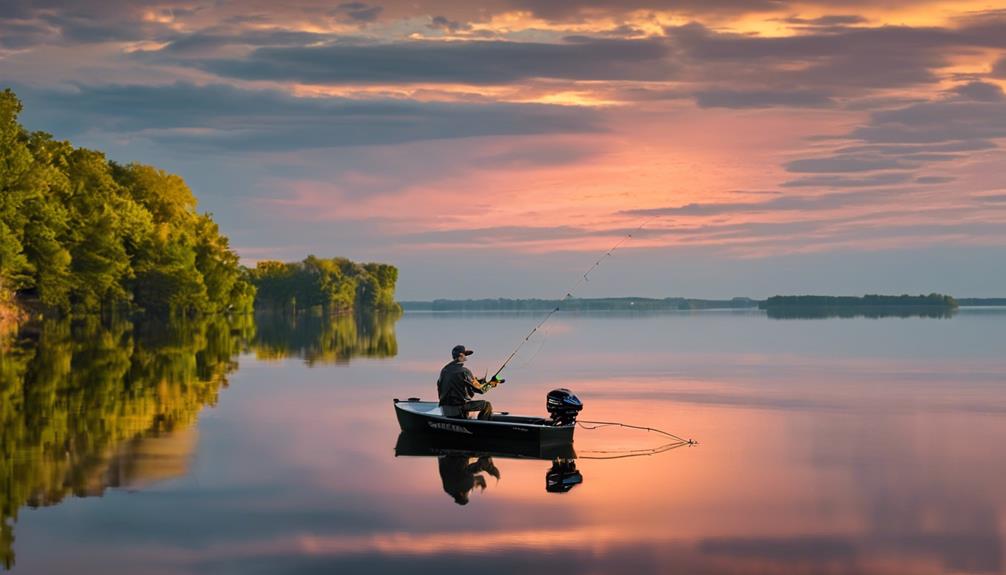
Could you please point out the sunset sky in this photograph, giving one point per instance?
(498, 148)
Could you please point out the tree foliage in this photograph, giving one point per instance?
(331, 285)
(79, 232)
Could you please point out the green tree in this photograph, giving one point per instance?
(78, 232)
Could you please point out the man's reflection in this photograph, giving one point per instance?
(460, 475)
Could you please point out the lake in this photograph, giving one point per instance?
(852, 445)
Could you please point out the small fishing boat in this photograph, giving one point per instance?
(417, 416)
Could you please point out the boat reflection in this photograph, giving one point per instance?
(462, 462)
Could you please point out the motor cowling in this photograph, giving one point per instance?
(563, 406)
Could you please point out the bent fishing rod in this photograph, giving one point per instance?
(569, 295)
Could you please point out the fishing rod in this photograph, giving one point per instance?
(569, 295)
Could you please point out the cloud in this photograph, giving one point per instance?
(929, 180)
(85, 21)
(999, 68)
(827, 21)
(821, 64)
(17, 35)
(444, 23)
(565, 9)
(762, 99)
(845, 163)
(882, 179)
(807, 203)
(358, 11)
(935, 122)
(981, 92)
(225, 118)
(480, 62)
(205, 43)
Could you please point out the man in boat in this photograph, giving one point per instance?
(457, 386)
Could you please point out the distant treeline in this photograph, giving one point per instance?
(981, 301)
(933, 300)
(778, 306)
(578, 304)
(80, 233)
(328, 285)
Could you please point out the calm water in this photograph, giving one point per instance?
(826, 446)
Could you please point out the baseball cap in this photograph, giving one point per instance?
(460, 349)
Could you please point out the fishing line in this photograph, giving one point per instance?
(569, 293)
(599, 424)
(622, 454)
(541, 344)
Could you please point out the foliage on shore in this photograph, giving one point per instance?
(331, 285)
(81, 233)
(10, 314)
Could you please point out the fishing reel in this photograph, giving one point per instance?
(562, 406)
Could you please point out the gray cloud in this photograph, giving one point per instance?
(781, 203)
(489, 62)
(204, 43)
(16, 35)
(444, 23)
(840, 62)
(84, 21)
(828, 21)
(930, 180)
(224, 118)
(894, 145)
(358, 11)
(981, 91)
(762, 99)
(881, 179)
(836, 62)
(936, 121)
(999, 68)
(845, 163)
(562, 9)
(910, 149)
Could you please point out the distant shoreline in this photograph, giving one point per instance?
(676, 303)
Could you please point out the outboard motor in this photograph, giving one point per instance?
(562, 406)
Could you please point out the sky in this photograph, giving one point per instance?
(500, 148)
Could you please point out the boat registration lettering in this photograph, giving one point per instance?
(448, 427)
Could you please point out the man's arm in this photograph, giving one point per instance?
(479, 385)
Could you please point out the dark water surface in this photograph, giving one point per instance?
(856, 445)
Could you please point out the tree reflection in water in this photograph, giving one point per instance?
(87, 404)
(326, 339)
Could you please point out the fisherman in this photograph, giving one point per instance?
(457, 386)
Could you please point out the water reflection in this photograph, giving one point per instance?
(461, 463)
(853, 446)
(325, 339)
(87, 405)
(874, 312)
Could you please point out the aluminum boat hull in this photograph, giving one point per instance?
(424, 417)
